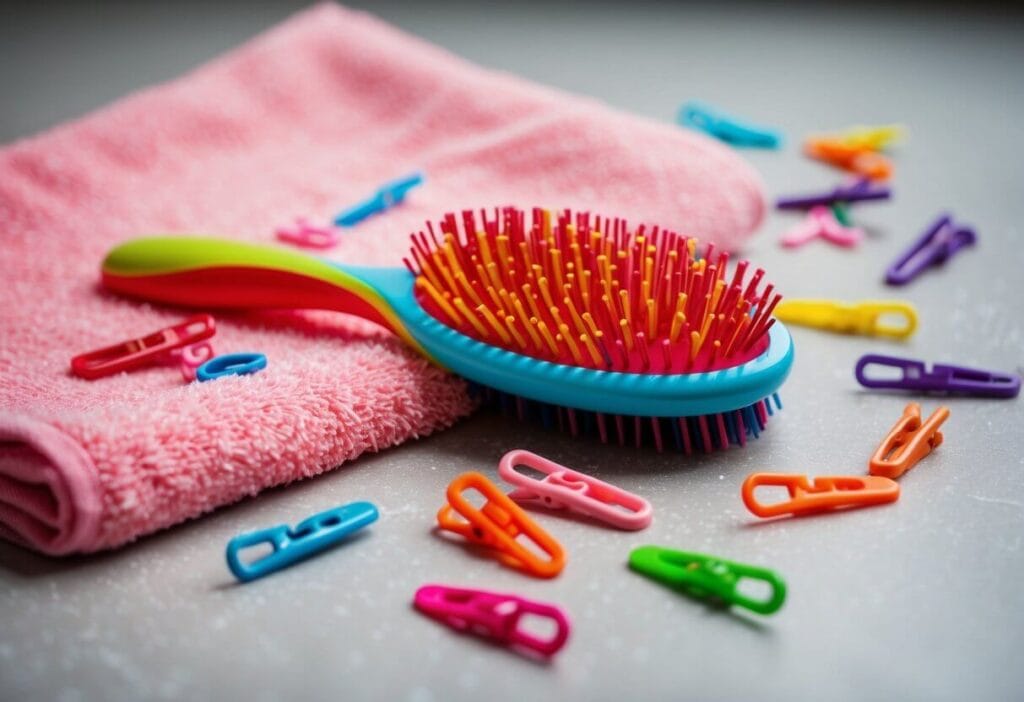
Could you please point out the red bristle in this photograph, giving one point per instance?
(684, 429)
(621, 429)
(656, 431)
(705, 435)
(722, 435)
(558, 279)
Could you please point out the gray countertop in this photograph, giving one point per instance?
(921, 599)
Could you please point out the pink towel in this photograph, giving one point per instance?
(304, 120)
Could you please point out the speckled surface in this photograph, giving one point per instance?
(917, 600)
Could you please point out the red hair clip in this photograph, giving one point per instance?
(148, 350)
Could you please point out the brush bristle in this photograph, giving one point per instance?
(703, 433)
(588, 291)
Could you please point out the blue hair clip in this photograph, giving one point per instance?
(231, 364)
(388, 195)
(309, 537)
(726, 128)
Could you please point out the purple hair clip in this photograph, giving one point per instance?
(863, 189)
(914, 375)
(939, 243)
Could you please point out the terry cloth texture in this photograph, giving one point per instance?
(303, 120)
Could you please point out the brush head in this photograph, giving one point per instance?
(588, 291)
(614, 317)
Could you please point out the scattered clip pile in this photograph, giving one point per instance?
(856, 150)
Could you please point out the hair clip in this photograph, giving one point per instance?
(908, 442)
(309, 537)
(867, 318)
(189, 358)
(149, 350)
(388, 195)
(914, 375)
(860, 191)
(818, 495)
(309, 236)
(564, 488)
(938, 244)
(497, 525)
(872, 138)
(728, 129)
(231, 364)
(703, 576)
(863, 162)
(821, 222)
(493, 615)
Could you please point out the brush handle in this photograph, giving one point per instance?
(222, 274)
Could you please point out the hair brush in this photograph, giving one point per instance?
(632, 335)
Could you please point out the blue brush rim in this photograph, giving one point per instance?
(679, 395)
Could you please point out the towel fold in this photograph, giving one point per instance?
(302, 121)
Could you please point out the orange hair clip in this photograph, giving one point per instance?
(497, 525)
(820, 494)
(908, 442)
(861, 161)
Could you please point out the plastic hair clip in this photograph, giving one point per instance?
(940, 242)
(871, 138)
(703, 576)
(908, 442)
(860, 191)
(493, 615)
(822, 222)
(863, 162)
(497, 525)
(388, 195)
(821, 494)
(231, 364)
(152, 349)
(189, 358)
(564, 488)
(308, 538)
(307, 235)
(726, 128)
(914, 375)
(868, 318)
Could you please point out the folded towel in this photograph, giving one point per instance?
(306, 119)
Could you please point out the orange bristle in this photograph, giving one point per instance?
(587, 291)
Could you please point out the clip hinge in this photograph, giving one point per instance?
(908, 442)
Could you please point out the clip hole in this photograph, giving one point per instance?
(883, 372)
(775, 494)
(537, 626)
(524, 541)
(529, 471)
(334, 520)
(257, 552)
(755, 589)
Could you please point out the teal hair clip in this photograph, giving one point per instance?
(728, 129)
(388, 195)
(308, 538)
(703, 576)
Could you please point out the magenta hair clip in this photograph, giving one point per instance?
(822, 222)
(493, 615)
(939, 243)
(307, 235)
(914, 375)
(860, 191)
(564, 488)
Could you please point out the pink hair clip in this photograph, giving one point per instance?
(564, 488)
(307, 235)
(493, 615)
(189, 358)
(822, 222)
